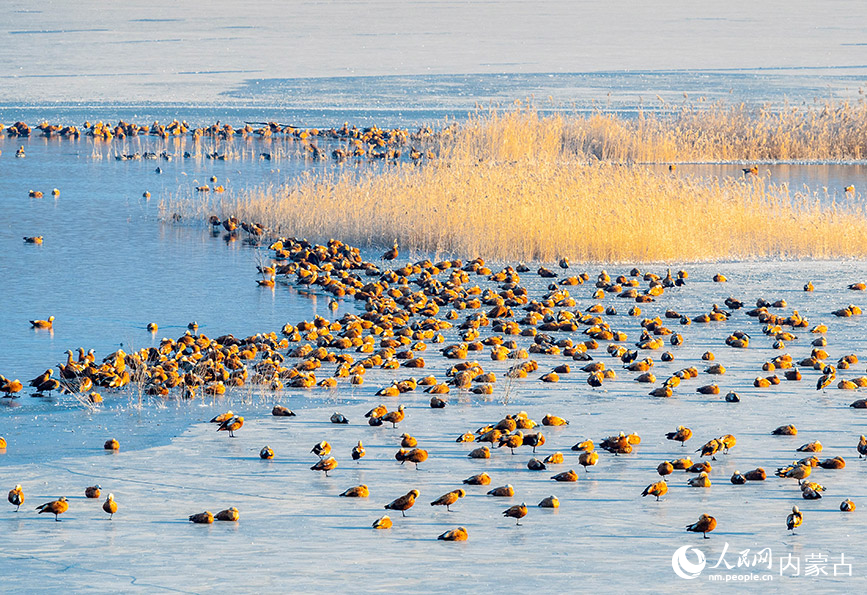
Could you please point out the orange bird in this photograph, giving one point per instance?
(43, 323)
(56, 507)
(392, 253)
(326, 465)
(231, 425)
(110, 506)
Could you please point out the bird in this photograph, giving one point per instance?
(110, 506)
(325, 465)
(535, 464)
(55, 507)
(358, 451)
(704, 525)
(152, 327)
(665, 468)
(710, 449)
(681, 434)
(43, 323)
(550, 502)
(512, 441)
(322, 449)
(360, 491)
(111, 444)
(20, 152)
(383, 522)
(588, 459)
(92, 492)
(218, 419)
(403, 503)
(266, 453)
(862, 446)
(394, 417)
(752, 170)
(506, 491)
(202, 518)
(847, 505)
(516, 512)
(232, 425)
(377, 411)
(16, 496)
(10, 387)
(407, 441)
(32, 239)
(281, 411)
(482, 479)
(230, 514)
(569, 475)
(338, 418)
(459, 534)
(416, 455)
(794, 520)
(450, 498)
(737, 478)
(391, 253)
(726, 442)
(660, 488)
(702, 481)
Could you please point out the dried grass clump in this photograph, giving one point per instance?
(719, 132)
(541, 209)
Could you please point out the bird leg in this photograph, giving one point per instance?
(705, 536)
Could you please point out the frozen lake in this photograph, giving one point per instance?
(109, 266)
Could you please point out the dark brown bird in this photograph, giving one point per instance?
(416, 455)
(448, 499)
(516, 512)
(92, 492)
(403, 503)
(202, 518)
(230, 514)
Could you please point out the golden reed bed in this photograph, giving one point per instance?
(519, 186)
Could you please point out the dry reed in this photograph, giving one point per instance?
(520, 186)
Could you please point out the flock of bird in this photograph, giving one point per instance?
(408, 308)
(353, 142)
